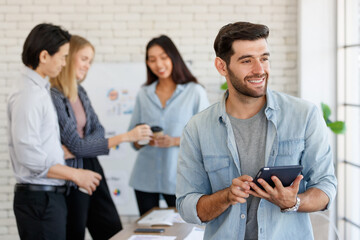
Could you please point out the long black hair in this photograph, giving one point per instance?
(180, 73)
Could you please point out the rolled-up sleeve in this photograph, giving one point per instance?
(317, 157)
(192, 180)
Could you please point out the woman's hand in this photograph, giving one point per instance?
(141, 132)
(165, 141)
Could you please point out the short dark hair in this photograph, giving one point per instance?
(43, 36)
(180, 73)
(237, 31)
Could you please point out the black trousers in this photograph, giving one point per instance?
(96, 212)
(147, 201)
(40, 215)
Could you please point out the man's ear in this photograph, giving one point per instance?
(221, 66)
(43, 56)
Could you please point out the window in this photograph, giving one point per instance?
(348, 98)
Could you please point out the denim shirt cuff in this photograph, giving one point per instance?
(189, 209)
(329, 192)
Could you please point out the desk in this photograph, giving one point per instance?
(180, 230)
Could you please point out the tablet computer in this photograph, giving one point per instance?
(286, 174)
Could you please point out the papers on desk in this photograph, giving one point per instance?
(195, 234)
(158, 217)
(177, 218)
(151, 237)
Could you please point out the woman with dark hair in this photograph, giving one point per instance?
(169, 98)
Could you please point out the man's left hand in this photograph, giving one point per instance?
(284, 197)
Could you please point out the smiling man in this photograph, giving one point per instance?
(253, 127)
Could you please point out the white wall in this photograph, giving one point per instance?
(317, 51)
(120, 29)
(317, 36)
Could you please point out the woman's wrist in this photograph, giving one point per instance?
(116, 140)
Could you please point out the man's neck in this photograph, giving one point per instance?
(40, 72)
(244, 107)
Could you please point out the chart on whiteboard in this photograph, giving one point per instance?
(112, 89)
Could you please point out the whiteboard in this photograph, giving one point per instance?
(112, 89)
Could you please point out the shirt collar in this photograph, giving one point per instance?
(271, 101)
(222, 114)
(36, 78)
(152, 87)
(271, 105)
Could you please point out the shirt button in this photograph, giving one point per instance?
(261, 230)
(242, 216)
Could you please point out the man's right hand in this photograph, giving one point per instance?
(239, 189)
(211, 206)
(87, 179)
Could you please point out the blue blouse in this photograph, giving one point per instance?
(155, 168)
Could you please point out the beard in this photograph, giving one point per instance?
(242, 89)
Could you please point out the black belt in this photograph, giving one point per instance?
(21, 187)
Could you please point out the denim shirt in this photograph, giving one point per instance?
(208, 161)
(155, 168)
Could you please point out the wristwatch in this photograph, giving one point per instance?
(294, 208)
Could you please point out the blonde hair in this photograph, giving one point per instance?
(66, 81)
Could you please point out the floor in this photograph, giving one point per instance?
(320, 225)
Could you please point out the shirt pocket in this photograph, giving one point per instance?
(218, 170)
(290, 152)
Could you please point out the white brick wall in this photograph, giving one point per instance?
(120, 30)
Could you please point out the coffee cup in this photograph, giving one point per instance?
(142, 142)
(157, 131)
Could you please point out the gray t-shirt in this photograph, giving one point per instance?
(250, 138)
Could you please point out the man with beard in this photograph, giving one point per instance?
(253, 127)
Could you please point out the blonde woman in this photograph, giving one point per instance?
(82, 133)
